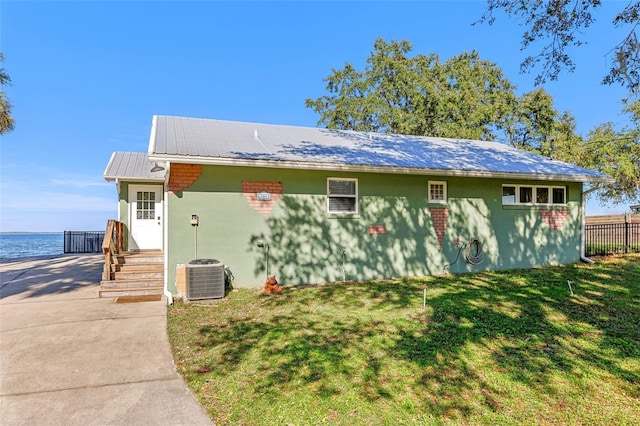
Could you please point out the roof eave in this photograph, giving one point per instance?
(306, 165)
(132, 179)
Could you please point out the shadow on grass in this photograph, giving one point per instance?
(376, 338)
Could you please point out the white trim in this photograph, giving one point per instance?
(306, 165)
(119, 190)
(113, 154)
(152, 136)
(133, 179)
(354, 196)
(444, 191)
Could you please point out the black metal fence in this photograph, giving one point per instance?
(612, 238)
(83, 241)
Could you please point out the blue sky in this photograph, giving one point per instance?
(88, 77)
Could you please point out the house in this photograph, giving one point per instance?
(313, 205)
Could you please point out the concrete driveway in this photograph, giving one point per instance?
(68, 357)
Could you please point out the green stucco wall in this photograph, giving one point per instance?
(307, 245)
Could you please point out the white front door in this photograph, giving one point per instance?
(145, 213)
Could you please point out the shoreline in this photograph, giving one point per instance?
(31, 232)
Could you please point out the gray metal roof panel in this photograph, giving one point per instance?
(194, 137)
(132, 166)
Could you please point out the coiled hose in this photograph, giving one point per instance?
(469, 257)
(478, 256)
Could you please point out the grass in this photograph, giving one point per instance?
(489, 348)
(608, 248)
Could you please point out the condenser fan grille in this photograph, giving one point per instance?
(205, 279)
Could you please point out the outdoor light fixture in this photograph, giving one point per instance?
(156, 167)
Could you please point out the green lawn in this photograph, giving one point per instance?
(489, 348)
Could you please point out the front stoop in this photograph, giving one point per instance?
(136, 274)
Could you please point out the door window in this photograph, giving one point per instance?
(146, 205)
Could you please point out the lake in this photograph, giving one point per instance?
(16, 245)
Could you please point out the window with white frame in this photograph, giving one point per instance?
(534, 195)
(342, 196)
(559, 195)
(437, 192)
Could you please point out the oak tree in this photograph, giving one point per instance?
(463, 97)
(559, 25)
(616, 152)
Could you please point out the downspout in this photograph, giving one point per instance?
(583, 256)
(165, 238)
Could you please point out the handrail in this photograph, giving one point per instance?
(112, 245)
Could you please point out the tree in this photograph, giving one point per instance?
(564, 143)
(560, 23)
(473, 97)
(617, 153)
(532, 122)
(6, 120)
(464, 97)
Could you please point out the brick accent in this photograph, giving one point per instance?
(554, 218)
(183, 175)
(377, 230)
(264, 207)
(181, 279)
(439, 217)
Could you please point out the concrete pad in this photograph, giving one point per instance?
(22, 315)
(67, 357)
(59, 278)
(168, 401)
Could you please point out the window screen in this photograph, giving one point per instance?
(542, 195)
(559, 196)
(342, 195)
(526, 194)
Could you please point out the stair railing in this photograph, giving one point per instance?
(112, 245)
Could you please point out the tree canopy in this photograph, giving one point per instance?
(467, 97)
(464, 97)
(560, 24)
(616, 153)
(6, 120)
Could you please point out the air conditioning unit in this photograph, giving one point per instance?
(205, 279)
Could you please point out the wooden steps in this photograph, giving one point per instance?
(135, 274)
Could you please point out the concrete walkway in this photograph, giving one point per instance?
(69, 358)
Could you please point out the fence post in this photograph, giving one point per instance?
(626, 233)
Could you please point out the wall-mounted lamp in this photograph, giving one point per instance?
(156, 167)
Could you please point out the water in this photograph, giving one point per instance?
(15, 245)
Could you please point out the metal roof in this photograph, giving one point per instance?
(207, 141)
(133, 166)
